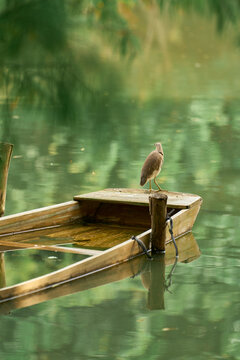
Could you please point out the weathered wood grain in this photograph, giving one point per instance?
(110, 257)
(95, 235)
(39, 218)
(93, 210)
(5, 157)
(158, 210)
(11, 245)
(119, 213)
(187, 246)
(183, 221)
(139, 197)
(188, 251)
(119, 272)
(2, 271)
(99, 235)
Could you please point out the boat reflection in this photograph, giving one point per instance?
(154, 279)
(152, 274)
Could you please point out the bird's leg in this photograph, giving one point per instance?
(150, 186)
(155, 182)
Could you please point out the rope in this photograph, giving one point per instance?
(142, 245)
(168, 281)
(171, 233)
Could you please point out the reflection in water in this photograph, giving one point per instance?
(152, 276)
(86, 89)
(156, 285)
(64, 85)
(168, 281)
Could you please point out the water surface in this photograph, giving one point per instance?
(85, 92)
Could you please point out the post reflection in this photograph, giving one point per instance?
(154, 278)
(151, 272)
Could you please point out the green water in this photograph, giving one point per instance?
(86, 89)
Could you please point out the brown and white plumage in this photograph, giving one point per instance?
(152, 166)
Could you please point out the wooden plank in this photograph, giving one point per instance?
(43, 217)
(188, 251)
(111, 257)
(105, 237)
(139, 197)
(53, 235)
(66, 213)
(121, 214)
(187, 246)
(11, 245)
(119, 272)
(109, 211)
(84, 235)
(183, 221)
(98, 235)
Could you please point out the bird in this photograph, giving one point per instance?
(152, 166)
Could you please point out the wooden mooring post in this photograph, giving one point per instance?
(5, 157)
(2, 271)
(158, 212)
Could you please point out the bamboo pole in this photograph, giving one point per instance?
(5, 157)
(158, 212)
(2, 271)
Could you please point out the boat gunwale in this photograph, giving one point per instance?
(67, 212)
(105, 255)
(127, 269)
(109, 258)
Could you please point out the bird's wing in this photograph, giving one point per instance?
(151, 165)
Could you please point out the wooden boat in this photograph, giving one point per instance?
(98, 224)
(138, 266)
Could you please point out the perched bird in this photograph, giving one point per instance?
(152, 166)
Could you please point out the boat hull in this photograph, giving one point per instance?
(81, 222)
(95, 271)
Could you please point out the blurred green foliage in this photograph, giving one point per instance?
(224, 11)
(66, 53)
(86, 89)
